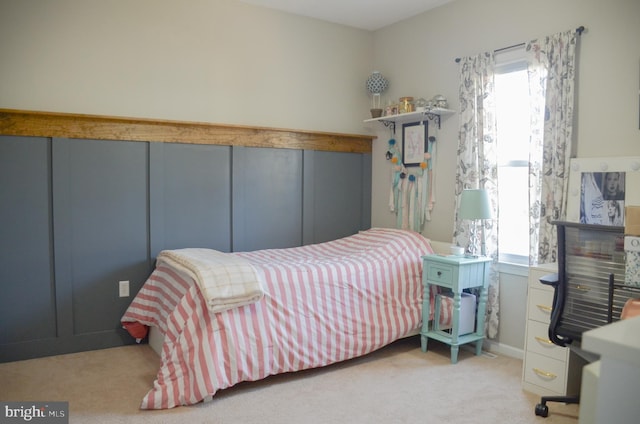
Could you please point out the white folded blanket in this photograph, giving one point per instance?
(225, 280)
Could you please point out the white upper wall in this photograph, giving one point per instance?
(197, 60)
(228, 62)
(417, 56)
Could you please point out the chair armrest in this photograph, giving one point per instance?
(556, 310)
(550, 280)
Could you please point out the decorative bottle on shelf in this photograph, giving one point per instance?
(406, 105)
(421, 105)
(439, 101)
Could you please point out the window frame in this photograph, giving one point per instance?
(513, 60)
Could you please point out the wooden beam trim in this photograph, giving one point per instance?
(67, 125)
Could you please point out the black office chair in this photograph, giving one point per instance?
(590, 260)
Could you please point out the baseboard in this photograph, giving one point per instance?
(502, 349)
(63, 345)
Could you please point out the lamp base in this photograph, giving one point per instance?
(376, 113)
(472, 248)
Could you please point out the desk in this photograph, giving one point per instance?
(456, 273)
(618, 383)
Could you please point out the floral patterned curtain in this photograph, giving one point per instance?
(551, 68)
(477, 163)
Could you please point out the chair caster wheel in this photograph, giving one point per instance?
(542, 410)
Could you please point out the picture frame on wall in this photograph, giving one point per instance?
(602, 197)
(601, 188)
(414, 143)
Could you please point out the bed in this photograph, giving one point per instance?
(304, 307)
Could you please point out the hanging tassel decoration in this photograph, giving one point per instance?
(411, 203)
(418, 216)
(432, 173)
(391, 156)
(425, 213)
(392, 190)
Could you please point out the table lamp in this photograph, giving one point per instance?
(474, 205)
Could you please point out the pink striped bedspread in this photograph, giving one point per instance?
(322, 303)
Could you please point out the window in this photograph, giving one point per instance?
(513, 129)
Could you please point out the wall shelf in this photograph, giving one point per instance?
(433, 114)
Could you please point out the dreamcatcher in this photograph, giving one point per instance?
(412, 196)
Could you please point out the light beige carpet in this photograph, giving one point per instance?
(397, 384)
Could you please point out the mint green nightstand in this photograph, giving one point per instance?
(456, 273)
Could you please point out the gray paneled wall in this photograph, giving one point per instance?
(335, 190)
(190, 196)
(101, 229)
(78, 216)
(267, 198)
(27, 303)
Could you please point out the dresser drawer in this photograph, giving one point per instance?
(545, 372)
(538, 341)
(539, 305)
(535, 273)
(440, 274)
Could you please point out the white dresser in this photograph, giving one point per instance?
(548, 370)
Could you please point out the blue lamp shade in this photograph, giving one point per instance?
(474, 204)
(376, 83)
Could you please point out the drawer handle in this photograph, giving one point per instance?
(545, 374)
(544, 308)
(439, 273)
(543, 340)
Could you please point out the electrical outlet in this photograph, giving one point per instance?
(123, 287)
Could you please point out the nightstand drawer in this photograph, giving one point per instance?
(538, 341)
(440, 274)
(540, 304)
(544, 372)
